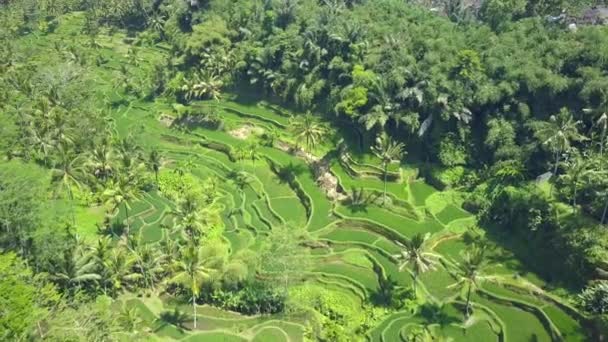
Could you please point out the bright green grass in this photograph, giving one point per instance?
(437, 282)
(214, 337)
(352, 235)
(389, 329)
(365, 277)
(271, 334)
(290, 209)
(520, 325)
(403, 225)
(570, 329)
(87, 220)
(396, 189)
(293, 332)
(451, 213)
(420, 192)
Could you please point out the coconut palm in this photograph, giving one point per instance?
(602, 122)
(101, 254)
(68, 170)
(577, 167)
(388, 151)
(191, 271)
(306, 129)
(76, 268)
(150, 263)
(375, 118)
(100, 161)
(253, 153)
(121, 273)
(240, 153)
(558, 133)
(189, 217)
(121, 192)
(415, 252)
(129, 318)
(469, 274)
(155, 162)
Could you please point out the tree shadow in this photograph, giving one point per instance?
(176, 318)
(360, 200)
(289, 173)
(434, 313)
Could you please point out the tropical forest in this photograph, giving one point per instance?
(304, 170)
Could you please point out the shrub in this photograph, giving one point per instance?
(595, 298)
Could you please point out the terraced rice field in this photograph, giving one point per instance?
(358, 241)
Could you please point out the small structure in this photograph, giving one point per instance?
(595, 16)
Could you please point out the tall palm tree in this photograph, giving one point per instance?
(100, 161)
(306, 129)
(577, 167)
(151, 263)
(388, 151)
(558, 133)
(101, 254)
(121, 192)
(469, 273)
(67, 173)
(253, 153)
(76, 268)
(155, 162)
(190, 218)
(415, 252)
(121, 271)
(191, 271)
(375, 118)
(241, 153)
(602, 122)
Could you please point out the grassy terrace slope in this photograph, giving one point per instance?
(359, 240)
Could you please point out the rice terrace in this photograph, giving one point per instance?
(287, 170)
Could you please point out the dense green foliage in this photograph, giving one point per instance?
(249, 170)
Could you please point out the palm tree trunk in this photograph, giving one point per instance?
(468, 306)
(156, 177)
(71, 196)
(605, 211)
(128, 224)
(414, 285)
(194, 308)
(385, 176)
(574, 197)
(558, 152)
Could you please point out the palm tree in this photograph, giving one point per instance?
(100, 161)
(191, 272)
(119, 193)
(558, 133)
(101, 254)
(67, 172)
(388, 151)
(129, 318)
(577, 167)
(77, 267)
(469, 273)
(151, 262)
(189, 217)
(121, 272)
(252, 151)
(415, 252)
(240, 153)
(306, 129)
(375, 118)
(155, 162)
(602, 122)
